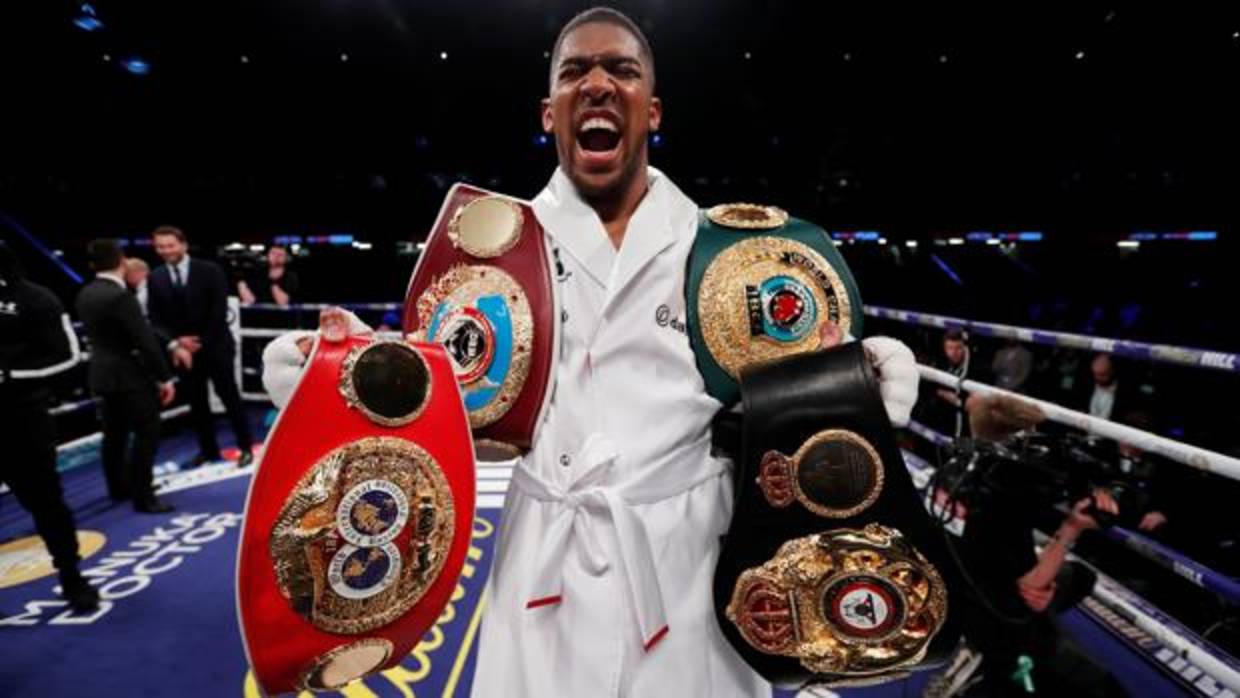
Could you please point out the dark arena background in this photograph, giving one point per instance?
(1064, 179)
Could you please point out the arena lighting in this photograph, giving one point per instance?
(1141, 236)
(1128, 245)
(443, 55)
(359, 245)
(946, 269)
(137, 66)
(882, 241)
(955, 241)
(234, 246)
(1080, 55)
(910, 243)
(257, 248)
(87, 21)
(992, 241)
(340, 239)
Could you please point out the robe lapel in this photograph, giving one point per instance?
(575, 227)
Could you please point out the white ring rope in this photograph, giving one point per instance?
(1216, 463)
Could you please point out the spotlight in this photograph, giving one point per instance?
(245, 58)
(443, 55)
(137, 66)
(1080, 55)
(748, 55)
(344, 58)
(910, 243)
(656, 140)
(943, 58)
(107, 58)
(542, 140)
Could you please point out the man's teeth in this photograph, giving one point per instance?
(601, 123)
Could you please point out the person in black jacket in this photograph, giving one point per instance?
(188, 304)
(129, 373)
(36, 343)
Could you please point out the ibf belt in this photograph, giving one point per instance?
(760, 286)
(482, 290)
(359, 516)
(831, 571)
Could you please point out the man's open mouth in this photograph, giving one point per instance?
(598, 135)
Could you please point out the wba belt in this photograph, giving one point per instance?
(359, 516)
(760, 285)
(831, 570)
(482, 289)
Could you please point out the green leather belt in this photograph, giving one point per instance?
(760, 286)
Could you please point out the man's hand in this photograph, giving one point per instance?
(190, 343)
(896, 368)
(305, 344)
(182, 358)
(1152, 520)
(167, 392)
(333, 324)
(1037, 599)
(245, 294)
(1079, 521)
(830, 335)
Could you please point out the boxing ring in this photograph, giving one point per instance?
(1154, 651)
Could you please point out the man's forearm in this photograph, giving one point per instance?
(1051, 559)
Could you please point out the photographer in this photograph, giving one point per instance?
(1014, 592)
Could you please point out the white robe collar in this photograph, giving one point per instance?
(660, 219)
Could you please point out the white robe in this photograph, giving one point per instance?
(618, 508)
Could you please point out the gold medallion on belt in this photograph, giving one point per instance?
(767, 297)
(847, 602)
(363, 535)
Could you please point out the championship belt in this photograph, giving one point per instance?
(760, 287)
(482, 289)
(359, 517)
(831, 571)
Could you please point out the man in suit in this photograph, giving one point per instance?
(129, 373)
(188, 304)
(1107, 397)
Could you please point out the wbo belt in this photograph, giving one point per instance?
(760, 286)
(482, 289)
(588, 502)
(831, 570)
(358, 518)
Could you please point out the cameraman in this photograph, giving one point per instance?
(1014, 592)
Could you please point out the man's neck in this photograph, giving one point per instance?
(616, 211)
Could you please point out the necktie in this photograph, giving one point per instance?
(176, 276)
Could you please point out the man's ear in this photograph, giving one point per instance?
(548, 123)
(656, 113)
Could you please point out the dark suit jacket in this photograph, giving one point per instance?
(124, 353)
(201, 308)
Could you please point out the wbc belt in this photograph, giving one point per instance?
(359, 516)
(760, 286)
(482, 289)
(831, 571)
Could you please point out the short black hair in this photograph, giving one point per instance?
(169, 230)
(604, 15)
(954, 334)
(105, 254)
